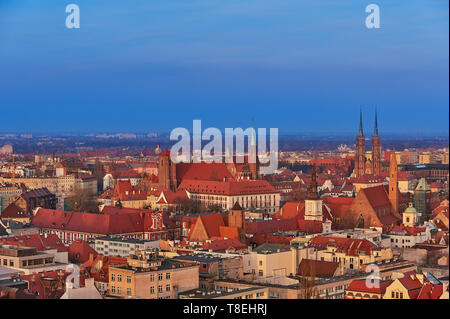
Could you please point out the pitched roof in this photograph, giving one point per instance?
(36, 193)
(106, 224)
(13, 211)
(377, 196)
(212, 224)
(422, 185)
(360, 285)
(203, 171)
(243, 187)
(431, 291)
(79, 251)
(317, 268)
(224, 244)
(349, 246)
(40, 242)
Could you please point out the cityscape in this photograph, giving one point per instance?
(324, 189)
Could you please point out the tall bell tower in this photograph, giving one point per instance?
(313, 203)
(360, 156)
(376, 149)
(393, 182)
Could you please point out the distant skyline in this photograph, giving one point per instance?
(300, 66)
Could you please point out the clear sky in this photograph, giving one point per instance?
(147, 65)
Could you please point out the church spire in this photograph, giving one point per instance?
(312, 191)
(375, 133)
(360, 122)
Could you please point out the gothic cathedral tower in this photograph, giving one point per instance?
(167, 171)
(376, 149)
(313, 203)
(360, 156)
(393, 183)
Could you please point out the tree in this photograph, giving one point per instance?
(82, 200)
(308, 281)
(187, 206)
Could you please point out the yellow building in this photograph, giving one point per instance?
(405, 286)
(426, 158)
(149, 276)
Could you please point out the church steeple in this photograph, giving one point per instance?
(360, 122)
(375, 132)
(313, 203)
(312, 191)
(393, 182)
(376, 148)
(360, 155)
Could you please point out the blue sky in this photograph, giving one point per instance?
(301, 66)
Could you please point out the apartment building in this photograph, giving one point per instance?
(149, 276)
(28, 260)
(122, 246)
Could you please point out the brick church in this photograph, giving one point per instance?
(364, 165)
(170, 174)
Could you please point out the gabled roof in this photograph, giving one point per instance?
(79, 251)
(212, 224)
(13, 211)
(377, 196)
(422, 185)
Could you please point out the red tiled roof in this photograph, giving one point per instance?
(79, 251)
(203, 171)
(289, 210)
(317, 268)
(212, 224)
(98, 266)
(170, 197)
(13, 211)
(339, 205)
(360, 285)
(242, 187)
(229, 232)
(431, 291)
(105, 224)
(310, 226)
(412, 283)
(270, 226)
(48, 285)
(349, 246)
(377, 196)
(40, 242)
(224, 244)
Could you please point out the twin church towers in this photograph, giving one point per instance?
(364, 165)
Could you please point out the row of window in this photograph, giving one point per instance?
(152, 277)
(118, 291)
(119, 278)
